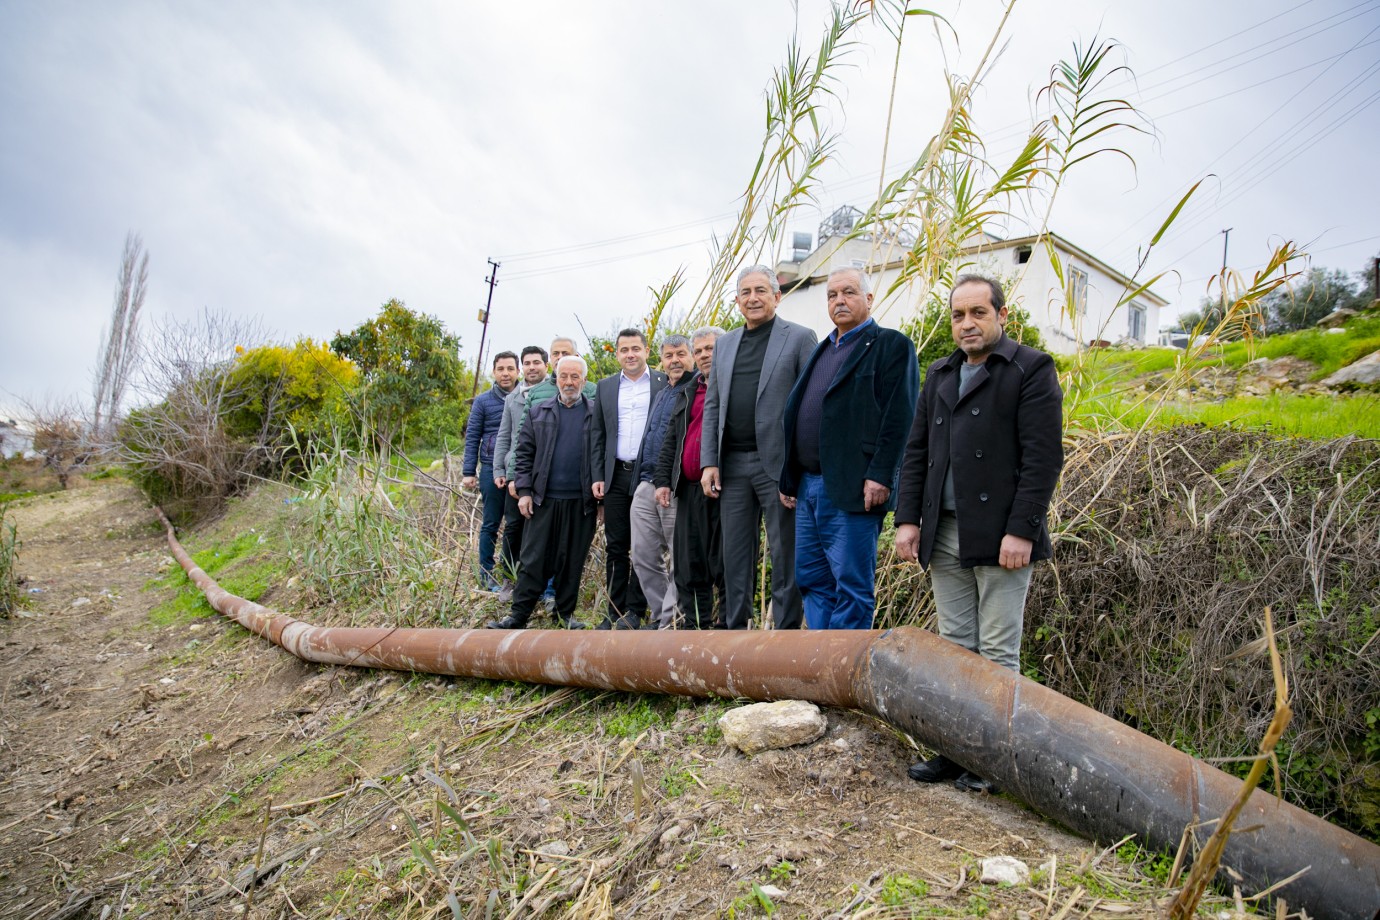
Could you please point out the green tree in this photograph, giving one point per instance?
(406, 360)
(1367, 294)
(1300, 306)
(291, 395)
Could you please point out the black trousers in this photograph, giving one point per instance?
(697, 555)
(555, 544)
(625, 591)
(511, 552)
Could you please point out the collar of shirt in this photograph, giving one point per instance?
(847, 336)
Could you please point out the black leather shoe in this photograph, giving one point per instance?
(508, 622)
(971, 782)
(628, 622)
(604, 625)
(935, 770)
(573, 623)
(649, 626)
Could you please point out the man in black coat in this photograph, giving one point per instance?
(846, 424)
(622, 404)
(554, 481)
(981, 464)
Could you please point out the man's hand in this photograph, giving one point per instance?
(874, 494)
(501, 481)
(599, 490)
(663, 497)
(1015, 552)
(525, 506)
(908, 542)
(709, 481)
(469, 482)
(512, 488)
(787, 501)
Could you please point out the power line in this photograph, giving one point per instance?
(1317, 27)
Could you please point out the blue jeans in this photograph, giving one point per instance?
(493, 515)
(835, 559)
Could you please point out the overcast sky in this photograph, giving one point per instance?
(305, 162)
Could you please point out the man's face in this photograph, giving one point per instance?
(704, 353)
(570, 380)
(561, 348)
(977, 326)
(756, 300)
(533, 368)
(505, 373)
(675, 361)
(632, 355)
(849, 307)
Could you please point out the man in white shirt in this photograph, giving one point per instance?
(621, 405)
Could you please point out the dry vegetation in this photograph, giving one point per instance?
(154, 755)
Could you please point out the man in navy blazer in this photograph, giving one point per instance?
(755, 367)
(846, 425)
(621, 407)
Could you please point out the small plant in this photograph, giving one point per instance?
(9, 562)
(902, 891)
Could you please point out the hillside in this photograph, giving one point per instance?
(154, 752)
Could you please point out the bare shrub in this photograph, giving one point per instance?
(179, 448)
(61, 438)
(1173, 545)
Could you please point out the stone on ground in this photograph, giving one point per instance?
(1004, 870)
(1365, 372)
(767, 726)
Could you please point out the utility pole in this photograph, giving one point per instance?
(1226, 235)
(492, 281)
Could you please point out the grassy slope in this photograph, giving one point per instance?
(1117, 395)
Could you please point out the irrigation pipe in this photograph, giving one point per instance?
(1085, 770)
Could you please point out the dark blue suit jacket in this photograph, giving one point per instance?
(868, 411)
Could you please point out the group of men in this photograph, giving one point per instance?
(766, 425)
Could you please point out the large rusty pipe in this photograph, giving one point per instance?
(1070, 763)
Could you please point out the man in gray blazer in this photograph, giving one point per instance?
(755, 368)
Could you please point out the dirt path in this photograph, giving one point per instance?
(138, 761)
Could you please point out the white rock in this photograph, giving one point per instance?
(1365, 372)
(81, 602)
(766, 726)
(771, 891)
(1004, 870)
(554, 848)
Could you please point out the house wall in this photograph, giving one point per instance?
(1038, 291)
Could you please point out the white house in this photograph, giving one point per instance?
(1022, 266)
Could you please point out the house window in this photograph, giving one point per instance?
(1078, 292)
(1022, 255)
(1137, 323)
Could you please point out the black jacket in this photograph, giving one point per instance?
(668, 465)
(606, 427)
(537, 447)
(1004, 440)
(868, 411)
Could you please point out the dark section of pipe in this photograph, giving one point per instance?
(1105, 779)
(1070, 763)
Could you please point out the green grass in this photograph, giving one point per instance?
(1284, 414)
(241, 567)
(1330, 351)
